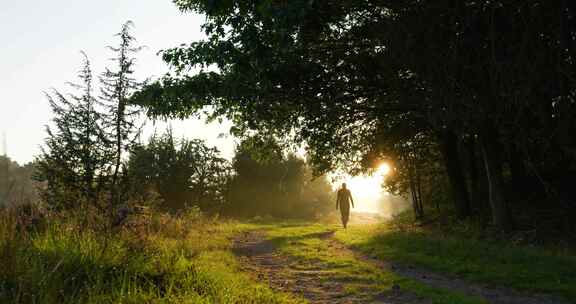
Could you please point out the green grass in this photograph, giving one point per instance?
(187, 259)
(304, 242)
(498, 263)
(163, 259)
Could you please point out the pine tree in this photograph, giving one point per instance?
(122, 118)
(75, 160)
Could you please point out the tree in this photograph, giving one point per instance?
(184, 172)
(16, 184)
(333, 73)
(121, 120)
(83, 158)
(75, 160)
(267, 181)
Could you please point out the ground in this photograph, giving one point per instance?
(191, 258)
(316, 262)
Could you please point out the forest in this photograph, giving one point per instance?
(468, 105)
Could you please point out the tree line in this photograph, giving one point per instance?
(16, 183)
(475, 97)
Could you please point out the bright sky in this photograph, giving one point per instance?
(41, 44)
(368, 194)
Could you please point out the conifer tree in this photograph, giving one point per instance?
(121, 121)
(75, 160)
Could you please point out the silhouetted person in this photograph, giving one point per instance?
(343, 201)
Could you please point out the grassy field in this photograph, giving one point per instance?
(161, 259)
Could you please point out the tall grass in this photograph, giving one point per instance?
(154, 258)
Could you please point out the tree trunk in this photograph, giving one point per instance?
(460, 196)
(473, 172)
(419, 192)
(518, 170)
(118, 161)
(478, 197)
(416, 205)
(501, 216)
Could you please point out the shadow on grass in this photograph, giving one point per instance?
(500, 264)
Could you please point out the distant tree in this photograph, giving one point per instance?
(5, 183)
(267, 182)
(75, 161)
(16, 184)
(184, 172)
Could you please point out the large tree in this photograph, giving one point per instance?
(341, 74)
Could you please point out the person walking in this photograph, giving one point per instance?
(343, 202)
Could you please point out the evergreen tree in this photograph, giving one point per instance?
(75, 161)
(121, 122)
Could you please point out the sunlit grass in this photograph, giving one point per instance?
(169, 260)
(187, 259)
(496, 263)
(309, 244)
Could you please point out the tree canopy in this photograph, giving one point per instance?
(358, 80)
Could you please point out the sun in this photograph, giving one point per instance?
(384, 169)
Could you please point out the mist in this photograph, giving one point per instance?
(386, 205)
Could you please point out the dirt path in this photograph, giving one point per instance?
(309, 280)
(314, 282)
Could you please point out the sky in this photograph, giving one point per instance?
(40, 49)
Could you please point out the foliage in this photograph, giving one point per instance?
(419, 171)
(342, 77)
(267, 182)
(81, 164)
(184, 172)
(76, 158)
(120, 120)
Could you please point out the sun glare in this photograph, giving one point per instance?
(383, 169)
(367, 189)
